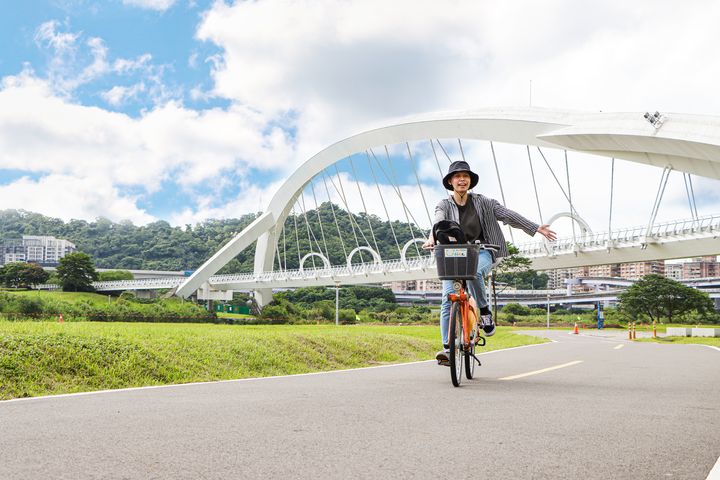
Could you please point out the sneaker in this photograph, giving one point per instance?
(488, 325)
(443, 357)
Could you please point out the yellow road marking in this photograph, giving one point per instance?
(619, 347)
(536, 372)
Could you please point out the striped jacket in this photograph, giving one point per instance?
(490, 211)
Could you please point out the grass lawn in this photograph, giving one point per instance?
(713, 341)
(44, 358)
(93, 298)
(233, 315)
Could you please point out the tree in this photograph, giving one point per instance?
(659, 297)
(77, 272)
(113, 275)
(23, 275)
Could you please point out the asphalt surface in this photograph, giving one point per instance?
(639, 411)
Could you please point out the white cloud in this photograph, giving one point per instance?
(159, 5)
(119, 94)
(69, 197)
(327, 69)
(123, 65)
(168, 143)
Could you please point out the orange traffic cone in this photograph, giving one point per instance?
(60, 319)
(575, 331)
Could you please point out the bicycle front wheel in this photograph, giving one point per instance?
(455, 339)
(470, 362)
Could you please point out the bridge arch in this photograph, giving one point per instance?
(584, 226)
(326, 262)
(407, 245)
(620, 135)
(377, 260)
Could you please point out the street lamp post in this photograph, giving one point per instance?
(548, 310)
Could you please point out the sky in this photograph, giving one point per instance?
(186, 110)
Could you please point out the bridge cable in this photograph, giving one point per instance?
(444, 151)
(307, 227)
(405, 207)
(572, 209)
(502, 192)
(417, 178)
(395, 188)
(567, 173)
(658, 198)
(332, 208)
(341, 192)
(690, 196)
(297, 237)
(612, 182)
(692, 193)
(279, 259)
(307, 222)
(462, 152)
(437, 162)
(362, 199)
(532, 173)
(382, 199)
(284, 246)
(322, 230)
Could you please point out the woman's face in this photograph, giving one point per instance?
(460, 182)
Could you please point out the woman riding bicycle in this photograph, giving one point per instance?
(478, 217)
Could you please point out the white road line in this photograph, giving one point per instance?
(536, 372)
(715, 472)
(619, 347)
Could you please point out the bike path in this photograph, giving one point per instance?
(638, 411)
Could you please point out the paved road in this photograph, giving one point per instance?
(638, 411)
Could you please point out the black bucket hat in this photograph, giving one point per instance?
(460, 166)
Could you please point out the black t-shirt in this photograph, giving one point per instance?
(470, 222)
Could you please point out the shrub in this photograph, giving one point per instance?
(30, 306)
(516, 309)
(274, 311)
(346, 316)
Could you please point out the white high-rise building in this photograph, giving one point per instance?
(41, 249)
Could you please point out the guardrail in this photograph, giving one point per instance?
(702, 226)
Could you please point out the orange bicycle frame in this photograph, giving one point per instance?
(468, 323)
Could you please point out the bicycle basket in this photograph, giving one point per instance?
(457, 261)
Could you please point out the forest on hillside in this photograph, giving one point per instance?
(160, 246)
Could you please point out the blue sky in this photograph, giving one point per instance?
(184, 110)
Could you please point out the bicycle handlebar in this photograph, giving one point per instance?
(483, 246)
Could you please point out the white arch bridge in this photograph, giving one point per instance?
(383, 174)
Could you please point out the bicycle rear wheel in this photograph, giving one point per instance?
(455, 339)
(470, 359)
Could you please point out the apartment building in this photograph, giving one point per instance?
(433, 285)
(40, 249)
(701, 267)
(640, 269)
(674, 271)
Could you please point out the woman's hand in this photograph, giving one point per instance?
(428, 244)
(545, 231)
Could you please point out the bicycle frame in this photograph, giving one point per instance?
(463, 299)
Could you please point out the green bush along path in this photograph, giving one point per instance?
(45, 358)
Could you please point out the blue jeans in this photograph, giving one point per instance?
(477, 290)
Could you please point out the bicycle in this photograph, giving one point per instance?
(458, 262)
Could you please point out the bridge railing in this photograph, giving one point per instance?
(638, 234)
(339, 271)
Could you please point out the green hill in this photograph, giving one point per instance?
(160, 246)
